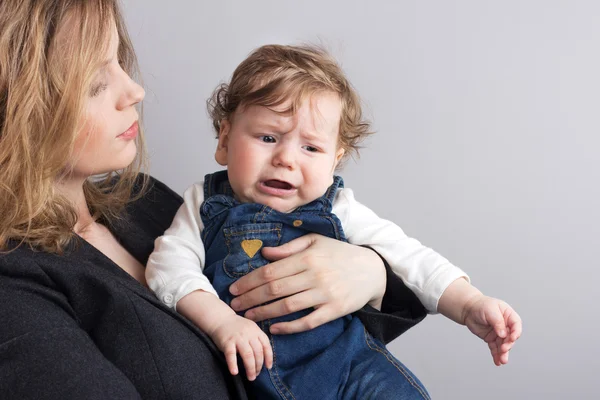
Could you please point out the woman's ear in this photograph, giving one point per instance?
(221, 152)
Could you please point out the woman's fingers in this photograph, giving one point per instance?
(285, 306)
(265, 274)
(318, 272)
(293, 247)
(285, 263)
(272, 290)
(316, 318)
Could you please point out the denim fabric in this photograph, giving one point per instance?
(338, 360)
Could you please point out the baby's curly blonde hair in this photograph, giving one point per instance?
(274, 74)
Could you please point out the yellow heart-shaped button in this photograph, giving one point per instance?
(251, 246)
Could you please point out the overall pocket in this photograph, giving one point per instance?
(244, 243)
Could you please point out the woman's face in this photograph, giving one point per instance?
(106, 141)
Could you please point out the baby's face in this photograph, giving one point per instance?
(282, 161)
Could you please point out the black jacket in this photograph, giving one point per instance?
(76, 326)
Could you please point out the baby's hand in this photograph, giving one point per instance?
(496, 323)
(237, 334)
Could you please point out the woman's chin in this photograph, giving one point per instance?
(125, 159)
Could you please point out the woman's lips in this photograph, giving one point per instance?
(130, 133)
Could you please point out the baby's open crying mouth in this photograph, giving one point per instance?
(274, 183)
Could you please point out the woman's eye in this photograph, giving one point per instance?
(310, 149)
(267, 139)
(97, 89)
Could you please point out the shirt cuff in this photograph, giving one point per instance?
(447, 274)
(179, 288)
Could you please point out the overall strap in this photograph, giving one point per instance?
(325, 202)
(217, 183)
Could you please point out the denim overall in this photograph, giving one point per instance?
(337, 360)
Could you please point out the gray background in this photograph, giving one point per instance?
(487, 115)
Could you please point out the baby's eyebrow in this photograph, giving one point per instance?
(276, 124)
(315, 137)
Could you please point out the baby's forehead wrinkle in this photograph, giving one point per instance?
(284, 117)
(268, 117)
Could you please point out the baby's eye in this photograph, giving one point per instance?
(310, 149)
(267, 139)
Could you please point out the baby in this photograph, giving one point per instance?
(285, 122)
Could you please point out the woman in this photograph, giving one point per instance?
(77, 320)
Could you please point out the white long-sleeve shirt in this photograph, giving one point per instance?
(175, 267)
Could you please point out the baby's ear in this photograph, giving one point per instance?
(339, 154)
(221, 152)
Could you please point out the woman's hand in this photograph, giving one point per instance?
(334, 277)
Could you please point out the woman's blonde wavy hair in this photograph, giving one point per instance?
(43, 90)
(273, 74)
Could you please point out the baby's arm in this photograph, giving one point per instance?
(423, 270)
(439, 285)
(174, 269)
(174, 273)
(490, 319)
(231, 333)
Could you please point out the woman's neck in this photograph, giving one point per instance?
(72, 189)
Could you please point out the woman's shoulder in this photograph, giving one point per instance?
(22, 274)
(154, 200)
(154, 187)
(19, 255)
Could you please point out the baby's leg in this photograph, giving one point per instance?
(377, 374)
